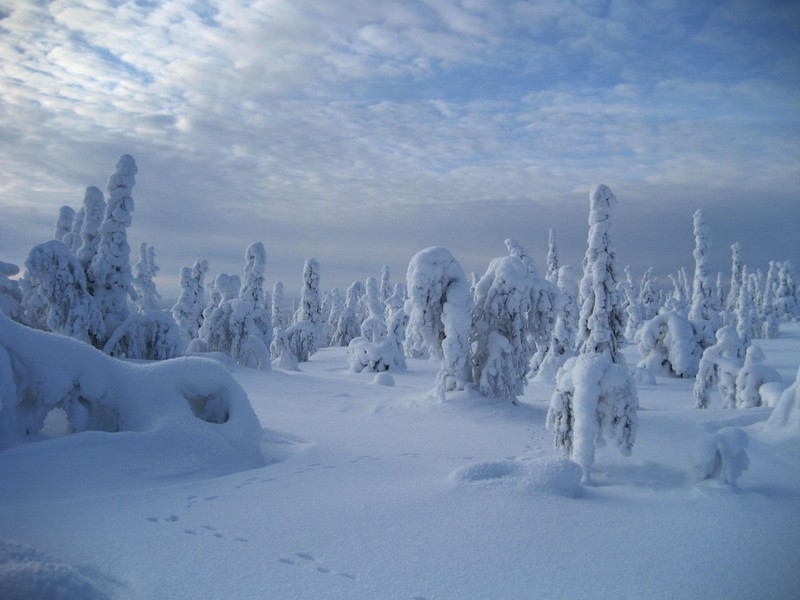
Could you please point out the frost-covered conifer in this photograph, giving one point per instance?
(386, 284)
(503, 342)
(110, 271)
(720, 298)
(72, 239)
(373, 327)
(744, 316)
(702, 288)
(396, 301)
(145, 271)
(786, 295)
(94, 209)
(737, 278)
(751, 377)
(147, 335)
(552, 257)
(63, 305)
(719, 363)
(438, 307)
(279, 316)
(334, 311)
(348, 325)
(282, 355)
(230, 329)
(10, 291)
(254, 293)
(769, 316)
(648, 295)
(66, 215)
(309, 311)
(595, 396)
(188, 310)
(671, 344)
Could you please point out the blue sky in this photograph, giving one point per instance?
(360, 132)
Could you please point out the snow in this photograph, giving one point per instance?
(374, 491)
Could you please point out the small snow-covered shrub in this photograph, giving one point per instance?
(723, 457)
(302, 340)
(40, 372)
(282, 356)
(383, 355)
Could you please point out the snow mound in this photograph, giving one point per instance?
(723, 457)
(558, 476)
(193, 397)
(383, 379)
(26, 573)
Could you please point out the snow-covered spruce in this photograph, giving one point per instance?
(702, 308)
(73, 239)
(307, 332)
(562, 344)
(195, 399)
(145, 272)
(438, 307)
(595, 397)
(348, 326)
(188, 309)
(147, 335)
(254, 293)
(377, 349)
(282, 355)
(279, 317)
(769, 313)
(110, 278)
(552, 257)
(751, 377)
(232, 330)
(56, 298)
(66, 215)
(719, 364)
(94, 208)
(786, 305)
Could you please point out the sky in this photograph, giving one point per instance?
(360, 132)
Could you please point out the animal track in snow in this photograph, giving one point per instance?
(309, 559)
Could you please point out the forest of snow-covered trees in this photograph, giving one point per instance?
(493, 332)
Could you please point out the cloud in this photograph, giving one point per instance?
(366, 130)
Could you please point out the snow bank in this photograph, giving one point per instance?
(40, 372)
(786, 415)
(26, 573)
(558, 476)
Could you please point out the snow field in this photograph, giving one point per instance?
(373, 491)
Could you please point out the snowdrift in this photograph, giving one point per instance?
(193, 402)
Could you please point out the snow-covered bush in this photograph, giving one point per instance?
(282, 355)
(671, 344)
(56, 297)
(10, 291)
(595, 397)
(751, 377)
(196, 399)
(147, 335)
(723, 457)
(109, 275)
(438, 307)
(302, 340)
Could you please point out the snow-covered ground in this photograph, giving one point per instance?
(379, 492)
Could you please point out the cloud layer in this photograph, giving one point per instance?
(360, 132)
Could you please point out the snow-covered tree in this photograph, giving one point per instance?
(147, 335)
(56, 280)
(72, 239)
(719, 363)
(737, 277)
(438, 307)
(188, 310)
(110, 278)
(348, 325)
(386, 284)
(232, 330)
(94, 208)
(595, 396)
(145, 271)
(309, 311)
(552, 257)
(786, 295)
(374, 326)
(254, 293)
(396, 300)
(648, 295)
(562, 346)
(769, 315)
(702, 308)
(66, 215)
(282, 355)
(279, 316)
(503, 344)
(10, 291)
(751, 377)
(334, 311)
(744, 316)
(671, 344)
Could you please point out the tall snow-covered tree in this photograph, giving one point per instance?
(648, 295)
(110, 277)
(72, 239)
(374, 326)
(94, 208)
(279, 316)
(57, 279)
(254, 293)
(188, 310)
(702, 308)
(595, 396)
(769, 315)
(438, 307)
(66, 215)
(348, 325)
(386, 284)
(10, 291)
(307, 332)
(737, 277)
(552, 257)
(145, 272)
(786, 295)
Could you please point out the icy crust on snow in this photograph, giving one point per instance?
(558, 476)
(199, 398)
(26, 573)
